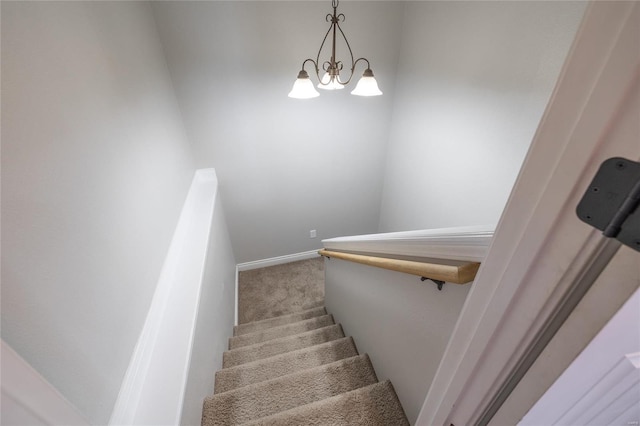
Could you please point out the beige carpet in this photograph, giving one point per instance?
(289, 364)
(374, 405)
(280, 290)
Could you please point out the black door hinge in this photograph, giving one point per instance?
(612, 201)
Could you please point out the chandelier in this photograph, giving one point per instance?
(303, 87)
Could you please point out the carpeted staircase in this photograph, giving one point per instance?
(298, 369)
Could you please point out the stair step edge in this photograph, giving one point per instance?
(373, 405)
(238, 330)
(283, 393)
(264, 335)
(283, 364)
(356, 358)
(274, 347)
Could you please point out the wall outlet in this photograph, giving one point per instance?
(312, 233)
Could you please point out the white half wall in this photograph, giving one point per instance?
(462, 243)
(216, 317)
(404, 324)
(198, 263)
(96, 166)
(472, 83)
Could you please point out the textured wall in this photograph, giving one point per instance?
(473, 81)
(95, 169)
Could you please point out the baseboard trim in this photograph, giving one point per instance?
(263, 263)
(152, 391)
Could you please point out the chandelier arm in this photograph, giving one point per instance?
(358, 60)
(315, 66)
(353, 63)
(333, 67)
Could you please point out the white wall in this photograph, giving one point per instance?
(403, 323)
(465, 84)
(96, 164)
(27, 398)
(155, 384)
(215, 318)
(285, 166)
(473, 81)
(95, 169)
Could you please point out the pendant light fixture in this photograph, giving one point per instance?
(303, 87)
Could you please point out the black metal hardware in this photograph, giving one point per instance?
(439, 283)
(611, 203)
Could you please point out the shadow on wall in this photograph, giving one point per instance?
(404, 324)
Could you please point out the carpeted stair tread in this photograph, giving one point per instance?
(283, 364)
(282, 345)
(280, 331)
(276, 321)
(373, 405)
(316, 303)
(283, 393)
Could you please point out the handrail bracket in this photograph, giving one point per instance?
(439, 283)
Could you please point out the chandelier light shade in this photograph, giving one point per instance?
(328, 84)
(303, 87)
(367, 85)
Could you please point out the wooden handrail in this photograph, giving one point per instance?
(457, 274)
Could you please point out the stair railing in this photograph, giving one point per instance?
(450, 255)
(457, 274)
